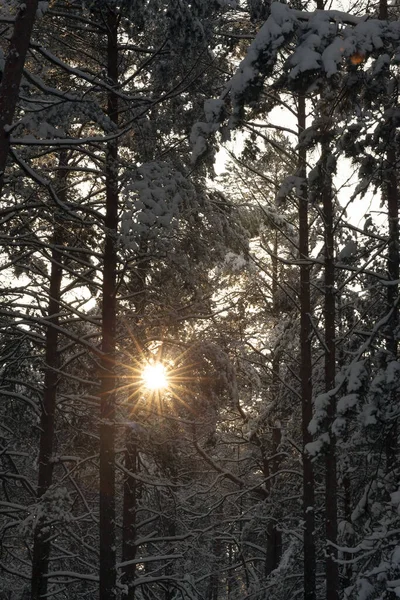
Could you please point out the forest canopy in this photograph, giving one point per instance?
(199, 308)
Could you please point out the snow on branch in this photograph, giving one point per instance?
(301, 48)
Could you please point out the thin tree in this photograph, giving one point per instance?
(107, 363)
(306, 365)
(129, 525)
(390, 193)
(331, 528)
(41, 542)
(332, 570)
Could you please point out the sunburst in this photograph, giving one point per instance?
(155, 376)
(155, 384)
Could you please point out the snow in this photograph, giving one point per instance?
(396, 556)
(381, 63)
(365, 589)
(346, 403)
(321, 404)
(345, 529)
(393, 374)
(368, 416)
(272, 34)
(395, 498)
(339, 426)
(305, 57)
(356, 376)
(289, 183)
(154, 198)
(327, 38)
(315, 448)
(198, 137)
(234, 262)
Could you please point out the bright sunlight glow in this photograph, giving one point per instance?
(154, 377)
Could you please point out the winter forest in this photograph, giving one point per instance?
(199, 307)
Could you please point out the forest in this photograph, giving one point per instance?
(199, 307)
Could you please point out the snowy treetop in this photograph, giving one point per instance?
(326, 41)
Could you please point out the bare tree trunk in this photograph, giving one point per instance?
(393, 249)
(390, 191)
(383, 9)
(129, 515)
(275, 274)
(107, 365)
(130, 499)
(274, 536)
(12, 74)
(214, 583)
(229, 578)
(331, 529)
(306, 370)
(41, 543)
(332, 570)
(392, 290)
(347, 508)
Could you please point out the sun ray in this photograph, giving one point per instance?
(151, 382)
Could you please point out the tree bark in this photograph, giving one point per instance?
(12, 74)
(129, 515)
(107, 364)
(392, 291)
(331, 566)
(306, 369)
(41, 543)
(130, 500)
(393, 249)
(274, 536)
(391, 194)
(331, 529)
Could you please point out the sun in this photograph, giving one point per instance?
(154, 377)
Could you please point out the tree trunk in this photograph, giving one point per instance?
(390, 191)
(213, 586)
(214, 583)
(130, 500)
(392, 292)
(306, 369)
(275, 274)
(107, 363)
(393, 250)
(12, 74)
(274, 536)
(129, 515)
(331, 566)
(41, 543)
(332, 571)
